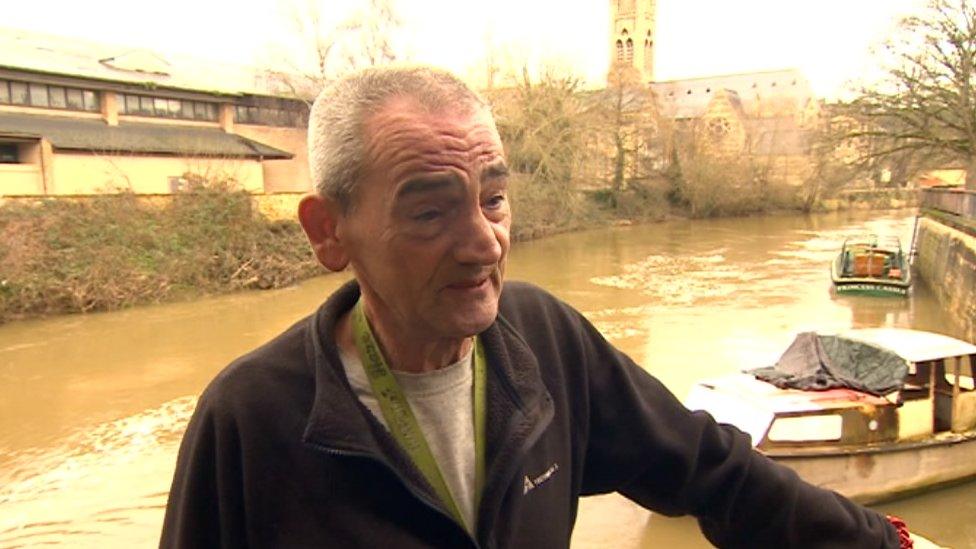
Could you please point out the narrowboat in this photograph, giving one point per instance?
(870, 413)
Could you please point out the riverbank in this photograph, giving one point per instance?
(108, 252)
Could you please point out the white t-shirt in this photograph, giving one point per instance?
(441, 401)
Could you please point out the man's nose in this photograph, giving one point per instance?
(477, 240)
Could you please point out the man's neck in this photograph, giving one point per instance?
(415, 355)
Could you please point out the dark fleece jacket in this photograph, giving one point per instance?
(280, 453)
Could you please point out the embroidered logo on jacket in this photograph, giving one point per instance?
(529, 484)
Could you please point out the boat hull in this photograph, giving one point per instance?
(854, 286)
(874, 474)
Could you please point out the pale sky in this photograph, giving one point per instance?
(828, 40)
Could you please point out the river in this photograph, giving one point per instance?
(92, 407)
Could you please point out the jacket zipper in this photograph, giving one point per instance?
(531, 438)
(403, 480)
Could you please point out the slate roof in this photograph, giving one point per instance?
(84, 134)
(689, 98)
(633, 98)
(59, 55)
(777, 136)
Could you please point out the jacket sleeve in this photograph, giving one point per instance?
(644, 443)
(206, 504)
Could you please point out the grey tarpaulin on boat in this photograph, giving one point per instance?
(820, 362)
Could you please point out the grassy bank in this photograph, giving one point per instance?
(109, 252)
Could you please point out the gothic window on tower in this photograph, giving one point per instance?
(620, 50)
(648, 47)
(629, 50)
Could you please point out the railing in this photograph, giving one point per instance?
(956, 201)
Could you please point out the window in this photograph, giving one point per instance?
(719, 127)
(8, 153)
(160, 106)
(284, 115)
(186, 109)
(56, 97)
(165, 107)
(46, 96)
(629, 50)
(18, 93)
(806, 428)
(91, 100)
(199, 111)
(75, 102)
(145, 106)
(620, 50)
(38, 95)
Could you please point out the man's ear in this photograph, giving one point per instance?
(320, 218)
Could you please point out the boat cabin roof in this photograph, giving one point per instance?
(874, 242)
(912, 345)
(746, 388)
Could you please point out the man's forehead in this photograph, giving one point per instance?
(405, 109)
(405, 132)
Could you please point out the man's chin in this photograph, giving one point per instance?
(473, 322)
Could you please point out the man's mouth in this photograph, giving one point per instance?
(471, 283)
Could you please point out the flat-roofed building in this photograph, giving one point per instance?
(78, 118)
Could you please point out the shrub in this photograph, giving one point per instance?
(114, 251)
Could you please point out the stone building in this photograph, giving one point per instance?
(82, 118)
(768, 116)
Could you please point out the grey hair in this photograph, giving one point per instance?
(341, 111)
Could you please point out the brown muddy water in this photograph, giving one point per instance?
(92, 407)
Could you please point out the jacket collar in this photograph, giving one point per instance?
(337, 419)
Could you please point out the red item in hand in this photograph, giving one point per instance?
(903, 536)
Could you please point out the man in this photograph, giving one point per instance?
(424, 405)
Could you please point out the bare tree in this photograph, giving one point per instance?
(365, 38)
(541, 122)
(625, 120)
(925, 107)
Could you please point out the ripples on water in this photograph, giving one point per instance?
(109, 482)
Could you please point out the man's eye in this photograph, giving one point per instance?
(427, 215)
(495, 201)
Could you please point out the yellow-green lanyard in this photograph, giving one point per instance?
(403, 424)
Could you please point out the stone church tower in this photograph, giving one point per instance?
(632, 37)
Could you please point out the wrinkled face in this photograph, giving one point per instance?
(427, 233)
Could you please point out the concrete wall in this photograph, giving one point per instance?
(956, 201)
(946, 263)
(282, 175)
(80, 173)
(281, 206)
(21, 179)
